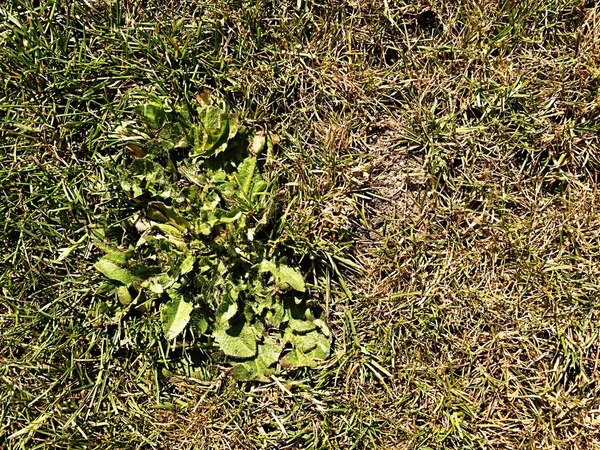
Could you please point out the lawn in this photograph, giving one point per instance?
(433, 177)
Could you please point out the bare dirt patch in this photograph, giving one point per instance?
(398, 181)
(398, 194)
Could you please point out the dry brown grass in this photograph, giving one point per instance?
(440, 182)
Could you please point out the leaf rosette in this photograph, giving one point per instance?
(201, 250)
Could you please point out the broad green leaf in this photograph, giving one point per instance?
(300, 318)
(137, 190)
(214, 120)
(322, 346)
(272, 141)
(276, 314)
(160, 212)
(203, 227)
(222, 216)
(187, 264)
(238, 341)
(233, 126)
(302, 326)
(218, 176)
(120, 258)
(132, 186)
(145, 306)
(144, 175)
(285, 277)
(154, 115)
(183, 114)
(198, 322)
(323, 327)
(297, 358)
(259, 186)
(245, 174)
(159, 283)
(307, 349)
(216, 128)
(176, 135)
(211, 131)
(263, 299)
(168, 230)
(260, 367)
(200, 138)
(124, 295)
(175, 315)
(110, 270)
(268, 266)
(194, 172)
(290, 277)
(226, 310)
(196, 215)
(177, 243)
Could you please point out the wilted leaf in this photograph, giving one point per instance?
(258, 143)
(204, 98)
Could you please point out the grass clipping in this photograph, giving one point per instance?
(200, 242)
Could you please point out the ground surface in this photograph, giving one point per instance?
(440, 163)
